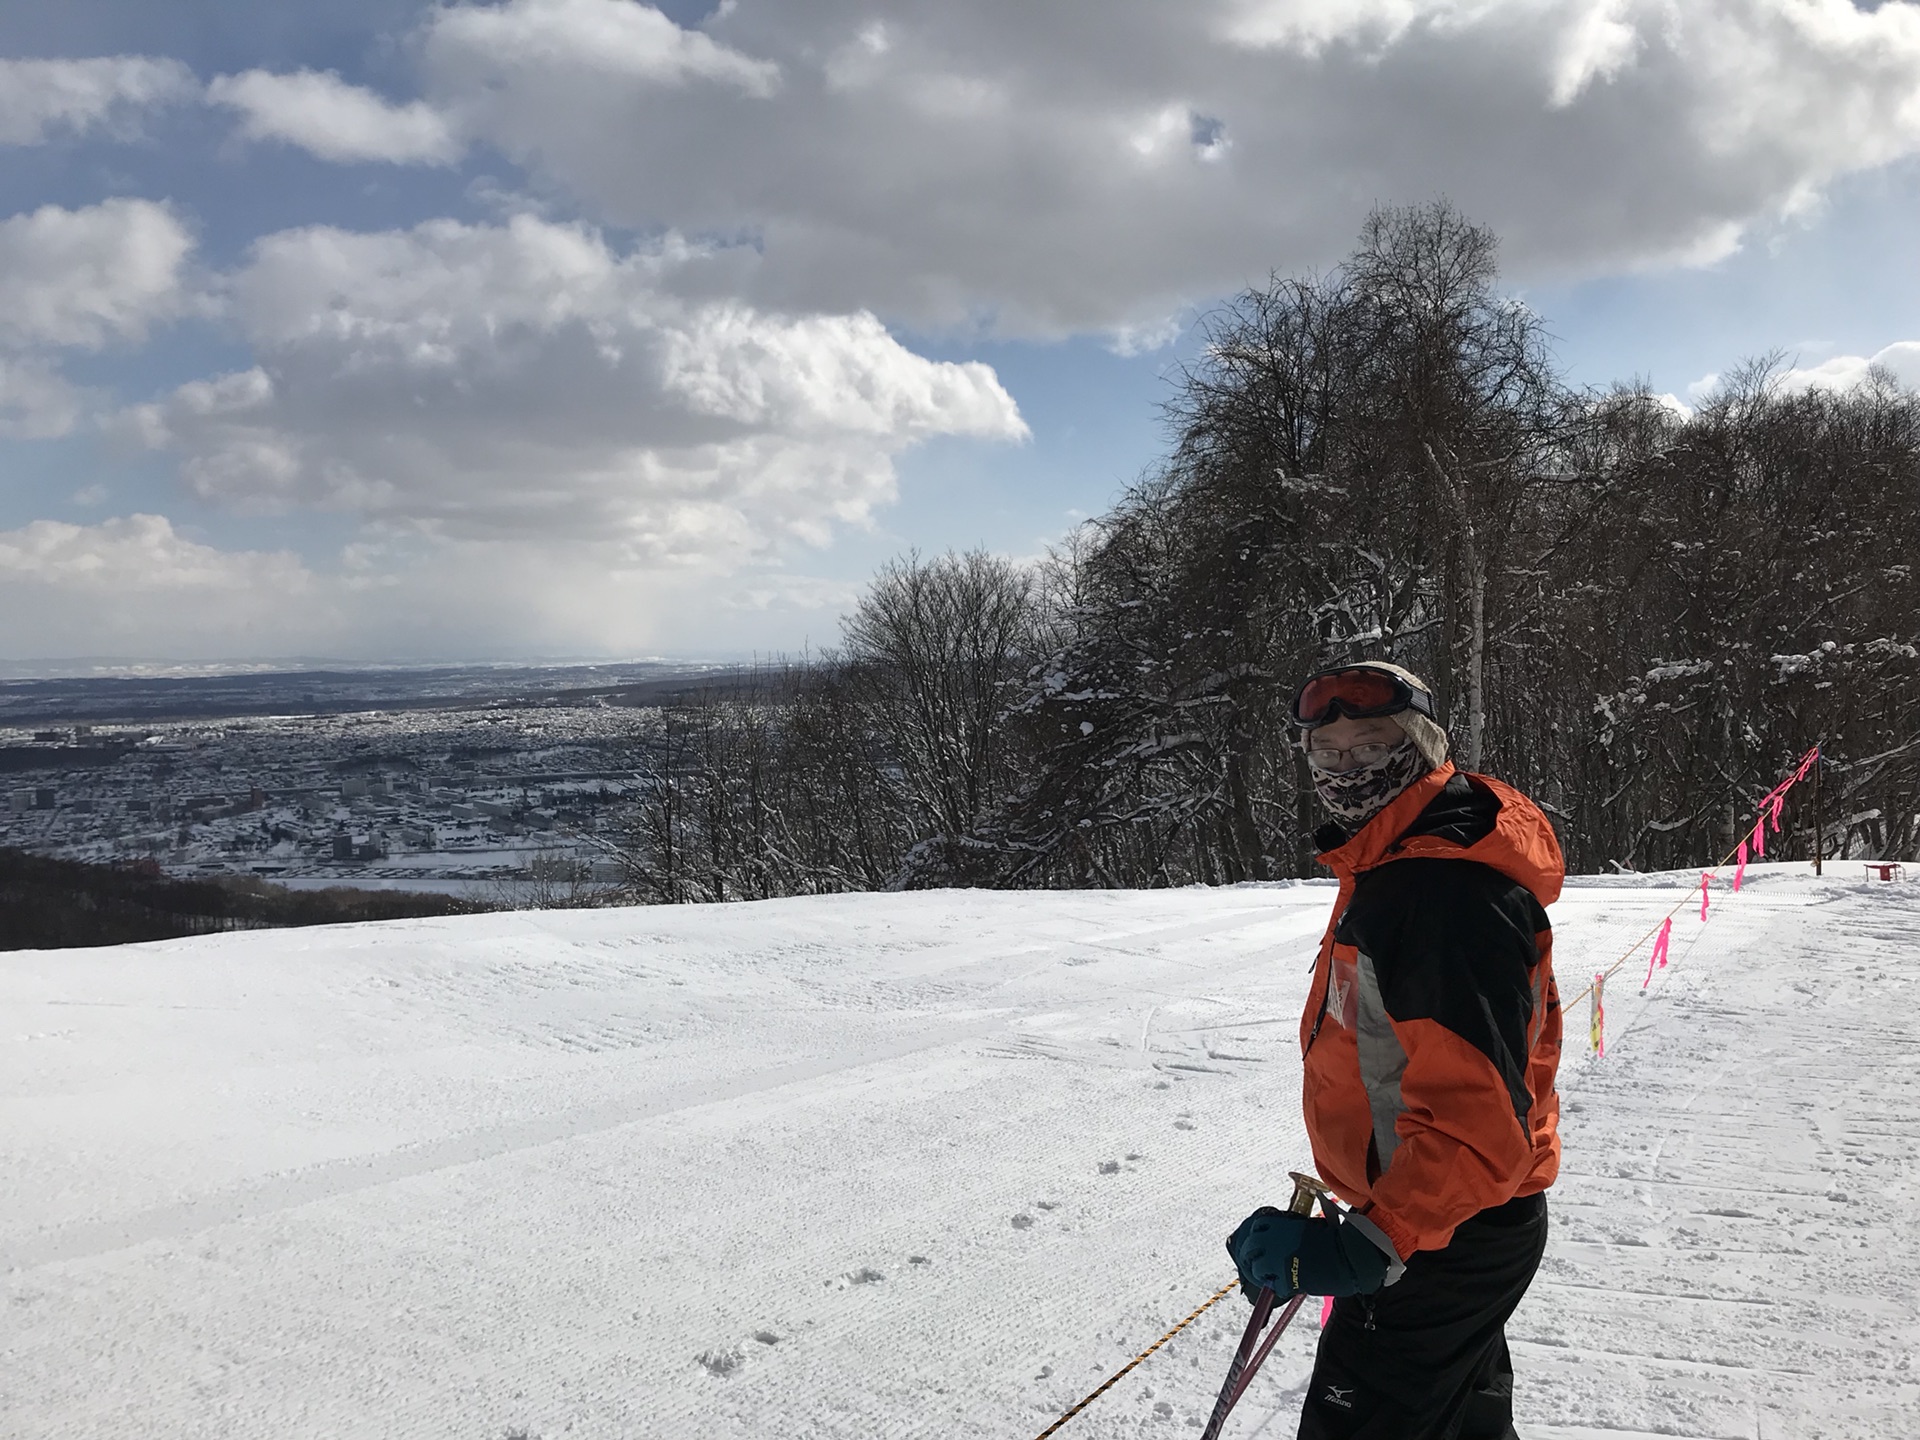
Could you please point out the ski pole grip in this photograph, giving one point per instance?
(1306, 1190)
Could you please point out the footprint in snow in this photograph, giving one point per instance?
(865, 1275)
(1046, 1204)
(918, 1260)
(766, 1337)
(1183, 1124)
(1023, 1222)
(723, 1364)
(1109, 1167)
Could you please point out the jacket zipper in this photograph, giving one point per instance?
(1326, 990)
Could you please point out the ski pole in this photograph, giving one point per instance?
(1248, 1359)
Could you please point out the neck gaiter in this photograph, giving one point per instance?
(1354, 797)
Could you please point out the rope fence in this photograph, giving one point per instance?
(1752, 843)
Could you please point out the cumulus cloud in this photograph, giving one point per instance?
(1047, 169)
(136, 586)
(527, 382)
(79, 280)
(141, 552)
(323, 114)
(624, 43)
(133, 584)
(1842, 372)
(43, 98)
(84, 278)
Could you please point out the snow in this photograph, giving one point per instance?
(903, 1165)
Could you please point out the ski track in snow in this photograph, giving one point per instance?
(903, 1165)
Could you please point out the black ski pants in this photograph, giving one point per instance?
(1426, 1358)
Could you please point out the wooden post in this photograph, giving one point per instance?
(1819, 816)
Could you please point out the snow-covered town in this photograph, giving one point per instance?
(437, 799)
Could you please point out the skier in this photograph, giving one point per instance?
(1431, 1037)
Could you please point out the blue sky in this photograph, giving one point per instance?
(572, 327)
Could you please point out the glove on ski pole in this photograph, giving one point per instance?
(1293, 1254)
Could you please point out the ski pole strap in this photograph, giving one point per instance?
(1122, 1373)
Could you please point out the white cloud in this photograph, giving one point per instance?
(135, 585)
(333, 120)
(596, 41)
(85, 278)
(79, 280)
(1843, 372)
(1312, 25)
(41, 98)
(135, 552)
(36, 401)
(1060, 168)
(525, 382)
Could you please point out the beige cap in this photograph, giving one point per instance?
(1429, 736)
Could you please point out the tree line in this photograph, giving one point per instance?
(1640, 613)
(52, 904)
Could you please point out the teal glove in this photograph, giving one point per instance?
(1305, 1255)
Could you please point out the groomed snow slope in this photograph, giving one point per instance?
(901, 1165)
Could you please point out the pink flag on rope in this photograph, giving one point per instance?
(1661, 945)
(1706, 880)
(1779, 804)
(1740, 869)
(1760, 837)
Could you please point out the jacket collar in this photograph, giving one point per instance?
(1370, 843)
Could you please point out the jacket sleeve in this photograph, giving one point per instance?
(1447, 957)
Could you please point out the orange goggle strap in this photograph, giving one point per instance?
(1359, 693)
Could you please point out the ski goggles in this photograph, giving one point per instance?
(1357, 692)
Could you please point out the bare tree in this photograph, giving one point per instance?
(932, 650)
(1458, 379)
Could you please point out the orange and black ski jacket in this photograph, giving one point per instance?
(1432, 1029)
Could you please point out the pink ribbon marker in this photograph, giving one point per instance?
(1740, 869)
(1760, 837)
(1660, 947)
(1706, 879)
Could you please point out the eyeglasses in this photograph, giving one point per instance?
(1357, 692)
(1363, 756)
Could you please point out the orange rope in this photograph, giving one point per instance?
(1121, 1374)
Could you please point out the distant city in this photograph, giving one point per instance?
(462, 780)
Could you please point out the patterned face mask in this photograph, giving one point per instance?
(1354, 797)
